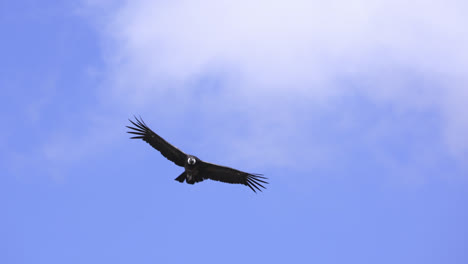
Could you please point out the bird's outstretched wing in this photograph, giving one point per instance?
(167, 150)
(230, 175)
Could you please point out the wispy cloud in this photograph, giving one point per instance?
(409, 54)
(293, 73)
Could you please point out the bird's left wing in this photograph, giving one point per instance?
(230, 175)
(167, 150)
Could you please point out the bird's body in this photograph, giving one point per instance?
(191, 170)
(196, 170)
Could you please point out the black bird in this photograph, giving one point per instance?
(196, 170)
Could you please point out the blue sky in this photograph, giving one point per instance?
(355, 111)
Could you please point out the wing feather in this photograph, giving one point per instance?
(229, 175)
(142, 131)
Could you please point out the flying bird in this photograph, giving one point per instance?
(196, 170)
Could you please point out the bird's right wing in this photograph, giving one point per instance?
(229, 175)
(167, 150)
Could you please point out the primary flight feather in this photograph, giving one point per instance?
(196, 170)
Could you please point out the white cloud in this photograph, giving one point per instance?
(294, 55)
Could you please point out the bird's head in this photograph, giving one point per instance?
(191, 160)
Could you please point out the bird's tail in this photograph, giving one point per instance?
(181, 177)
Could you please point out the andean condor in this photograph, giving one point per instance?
(196, 170)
